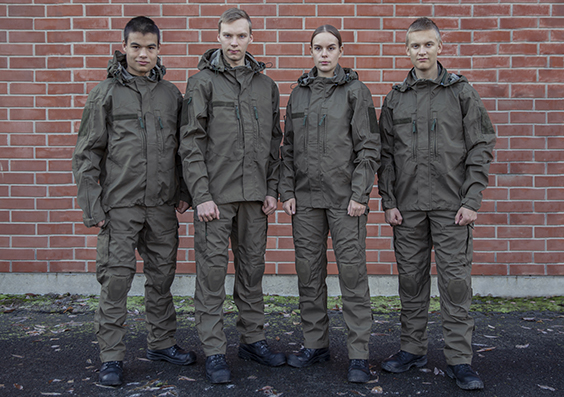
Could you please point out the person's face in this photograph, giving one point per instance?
(235, 37)
(325, 52)
(423, 48)
(141, 51)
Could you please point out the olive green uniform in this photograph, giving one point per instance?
(230, 154)
(437, 142)
(126, 168)
(330, 156)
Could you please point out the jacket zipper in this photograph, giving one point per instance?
(257, 135)
(162, 134)
(143, 138)
(434, 133)
(414, 148)
(323, 135)
(239, 138)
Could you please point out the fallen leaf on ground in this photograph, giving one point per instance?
(17, 356)
(528, 319)
(522, 346)
(357, 393)
(485, 349)
(426, 370)
(186, 378)
(491, 336)
(252, 377)
(19, 387)
(50, 394)
(377, 390)
(143, 359)
(438, 372)
(546, 387)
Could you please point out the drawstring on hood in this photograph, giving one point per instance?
(445, 79)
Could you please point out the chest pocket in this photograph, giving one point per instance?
(405, 144)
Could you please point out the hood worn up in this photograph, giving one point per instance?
(213, 60)
(117, 69)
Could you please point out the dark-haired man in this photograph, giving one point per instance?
(230, 155)
(437, 142)
(127, 170)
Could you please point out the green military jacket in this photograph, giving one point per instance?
(230, 146)
(437, 143)
(126, 152)
(331, 145)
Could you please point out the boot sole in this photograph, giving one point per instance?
(247, 355)
(223, 378)
(398, 370)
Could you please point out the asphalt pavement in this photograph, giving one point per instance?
(47, 352)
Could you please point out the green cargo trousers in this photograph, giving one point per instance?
(413, 241)
(154, 232)
(310, 228)
(246, 225)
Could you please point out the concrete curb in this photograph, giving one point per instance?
(286, 285)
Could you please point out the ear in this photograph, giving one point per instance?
(341, 51)
(250, 39)
(439, 47)
(123, 44)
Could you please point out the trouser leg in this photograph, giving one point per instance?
(310, 230)
(348, 235)
(248, 243)
(211, 242)
(115, 268)
(412, 245)
(453, 255)
(158, 246)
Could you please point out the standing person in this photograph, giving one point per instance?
(230, 155)
(125, 165)
(329, 159)
(437, 142)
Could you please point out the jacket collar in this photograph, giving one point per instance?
(340, 77)
(117, 68)
(444, 79)
(213, 60)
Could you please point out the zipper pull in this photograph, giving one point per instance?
(256, 112)
(237, 112)
(323, 118)
(414, 127)
(434, 125)
(161, 123)
(141, 123)
(305, 118)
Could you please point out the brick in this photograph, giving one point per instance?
(103, 10)
(518, 23)
(16, 49)
(53, 49)
(65, 62)
(27, 63)
(514, 206)
(29, 267)
(529, 61)
(491, 10)
(27, 114)
(27, 165)
(91, 23)
(67, 266)
(19, 228)
(53, 24)
(527, 245)
(555, 23)
(514, 232)
(96, 36)
(17, 23)
(30, 216)
(27, 140)
(54, 203)
(89, 49)
(27, 88)
(27, 11)
(302, 10)
(452, 10)
(66, 10)
(478, 23)
(27, 37)
(181, 9)
(526, 270)
(16, 254)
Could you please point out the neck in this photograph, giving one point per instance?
(430, 74)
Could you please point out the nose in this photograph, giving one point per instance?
(143, 52)
(234, 41)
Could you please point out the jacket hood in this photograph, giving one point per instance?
(213, 60)
(342, 76)
(117, 68)
(445, 79)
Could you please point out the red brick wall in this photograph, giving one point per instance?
(53, 52)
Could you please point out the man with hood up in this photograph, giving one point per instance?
(129, 183)
(230, 156)
(437, 143)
